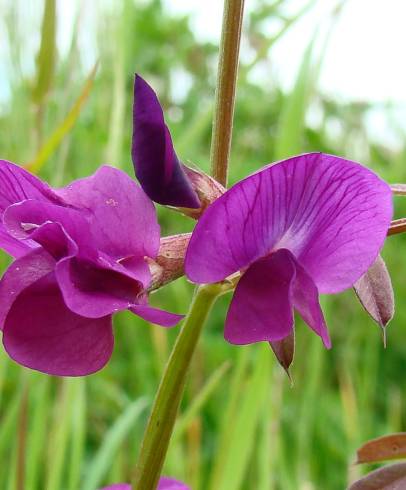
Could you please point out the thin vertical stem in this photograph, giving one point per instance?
(163, 416)
(225, 91)
(164, 411)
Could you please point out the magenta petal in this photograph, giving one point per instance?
(117, 486)
(155, 315)
(331, 213)
(306, 302)
(14, 247)
(164, 484)
(16, 185)
(53, 238)
(22, 273)
(41, 333)
(261, 308)
(24, 220)
(171, 484)
(122, 218)
(93, 291)
(156, 165)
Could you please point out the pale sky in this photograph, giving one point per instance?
(364, 61)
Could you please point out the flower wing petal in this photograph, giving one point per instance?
(157, 316)
(41, 333)
(122, 218)
(21, 274)
(333, 214)
(306, 302)
(156, 165)
(262, 308)
(94, 291)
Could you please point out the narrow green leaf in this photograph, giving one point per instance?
(78, 433)
(57, 136)
(47, 53)
(59, 435)
(115, 436)
(288, 141)
(200, 399)
(245, 424)
(229, 413)
(40, 404)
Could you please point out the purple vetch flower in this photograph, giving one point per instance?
(157, 167)
(311, 224)
(81, 255)
(164, 484)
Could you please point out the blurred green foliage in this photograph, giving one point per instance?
(242, 426)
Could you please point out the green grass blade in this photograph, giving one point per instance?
(78, 433)
(61, 131)
(292, 120)
(246, 423)
(103, 459)
(201, 398)
(47, 53)
(59, 436)
(40, 404)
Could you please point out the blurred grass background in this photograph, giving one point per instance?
(242, 425)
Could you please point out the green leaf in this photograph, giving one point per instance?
(47, 53)
(114, 437)
(57, 136)
(245, 423)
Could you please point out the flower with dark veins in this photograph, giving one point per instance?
(156, 164)
(81, 255)
(311, 224)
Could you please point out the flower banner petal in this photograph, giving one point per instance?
(121, 216)
(16, 184)
(41, 333)
(156, 165)
(331, 213)
(261, 308)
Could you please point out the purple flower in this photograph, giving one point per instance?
(157, 167)
(164, 484)
(307, 225)
(80, 257)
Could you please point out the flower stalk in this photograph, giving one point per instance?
(226, 89)
(164, 411)
(163, 416)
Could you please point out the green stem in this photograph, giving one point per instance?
(164, 411)
(225, 91)
(163, 416)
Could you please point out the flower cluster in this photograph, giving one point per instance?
(80, 256)
(311, 224)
